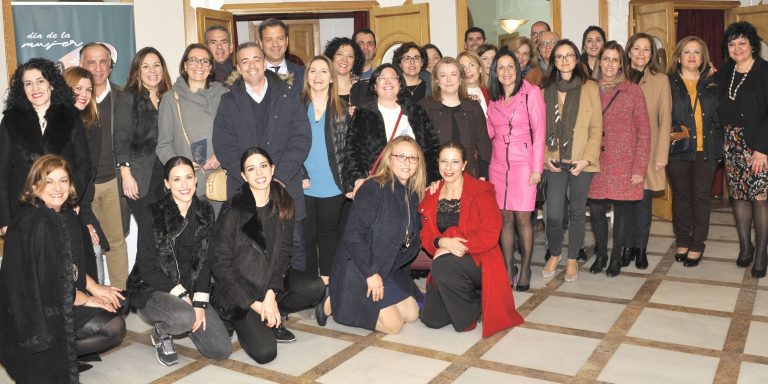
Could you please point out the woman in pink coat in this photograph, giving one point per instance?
(623, 157)
(516, 126)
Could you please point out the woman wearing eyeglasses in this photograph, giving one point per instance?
(187, 113)
(389, 115)
(135, 131)
(573, 137)
(412, 60)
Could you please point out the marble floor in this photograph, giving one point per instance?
(666, 324)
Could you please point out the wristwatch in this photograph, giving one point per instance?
(123, 164)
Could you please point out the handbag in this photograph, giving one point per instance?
(216, 181)
(681, 141)
(540, 187)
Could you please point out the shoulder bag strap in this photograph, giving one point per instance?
(392, 136)
(611, 102)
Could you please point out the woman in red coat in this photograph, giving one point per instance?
(461, 223)
(623, 156)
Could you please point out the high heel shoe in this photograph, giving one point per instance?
(320, 315)
(745, 258)
(547, 274)
(758, 274)
(679, 257)
(689, 262)
(523, 287)
(571, 278)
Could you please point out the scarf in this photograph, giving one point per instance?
(560, 124)
(608, 86)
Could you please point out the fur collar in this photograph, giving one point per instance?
(243, 201)
(24, 128)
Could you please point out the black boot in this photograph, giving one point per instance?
(614, 267)
(582, 255)
(547, 255)
(599, 264)
(627, 255)
(641, 259)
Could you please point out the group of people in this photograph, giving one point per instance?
(337, 172)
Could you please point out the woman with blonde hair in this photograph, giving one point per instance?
(529, 61)
(371, 285)
(477, 88)
(456, 117)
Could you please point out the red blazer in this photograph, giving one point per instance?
(480, 224)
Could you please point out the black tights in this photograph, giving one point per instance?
(748, 212)
(99, 334)
(520, 221)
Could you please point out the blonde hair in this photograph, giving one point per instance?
(384, 173)
(481, 81)
(436, 94)
(533, 58)
(72, 77)
(674, 65)
(339, 112)
(35, 183)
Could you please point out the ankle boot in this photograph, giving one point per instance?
(614, 266)
(626, 256)
(599, 264)
(641, 259)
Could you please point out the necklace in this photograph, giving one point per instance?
(732, 95)
(407, 240)
(412, 88)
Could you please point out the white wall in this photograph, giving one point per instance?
(331, 28)
(160, 24)
(577, 16)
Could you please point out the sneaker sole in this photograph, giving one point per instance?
(152, 339)
(164, 363)
(286, 341)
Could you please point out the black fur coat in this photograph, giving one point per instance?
(156, 256)
(22, 142)
(367, 138)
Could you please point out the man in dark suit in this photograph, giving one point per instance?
(274, 39)
(260, 110)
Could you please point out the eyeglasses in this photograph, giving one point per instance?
(201, 62)
(402, 158)
(550, 43)
(537, 33)
(382, 79)
(412, 59)
(568, 57)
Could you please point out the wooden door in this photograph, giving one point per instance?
(756, 15)
(208, 17)
(397, 25)
(657, 20)
(301, 39)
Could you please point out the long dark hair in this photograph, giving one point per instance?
(134, 74)
(282, 203)
(89, 115)
(579, 73)
(494, 87)
(174, 162)
(334, 45)
(591, 28)
(61, 94)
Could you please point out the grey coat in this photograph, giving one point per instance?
(198, 109)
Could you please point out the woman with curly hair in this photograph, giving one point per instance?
(348, 60)
(38, 119)
(412, 60)
(136, 132)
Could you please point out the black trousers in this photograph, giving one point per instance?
(639, 228)
(154, 192)
(621, 218)
(691, 183)
(453, 293)
(322, 231)
(302, 290)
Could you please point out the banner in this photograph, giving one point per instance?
(57, 31)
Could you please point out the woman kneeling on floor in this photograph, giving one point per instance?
(461, 223)
(251, 253)
(371, 285)
(170, 283)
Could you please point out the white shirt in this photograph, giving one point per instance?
(104, 94)
(478, 93)
(257, 96)
(283, 67)
(390, 118)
